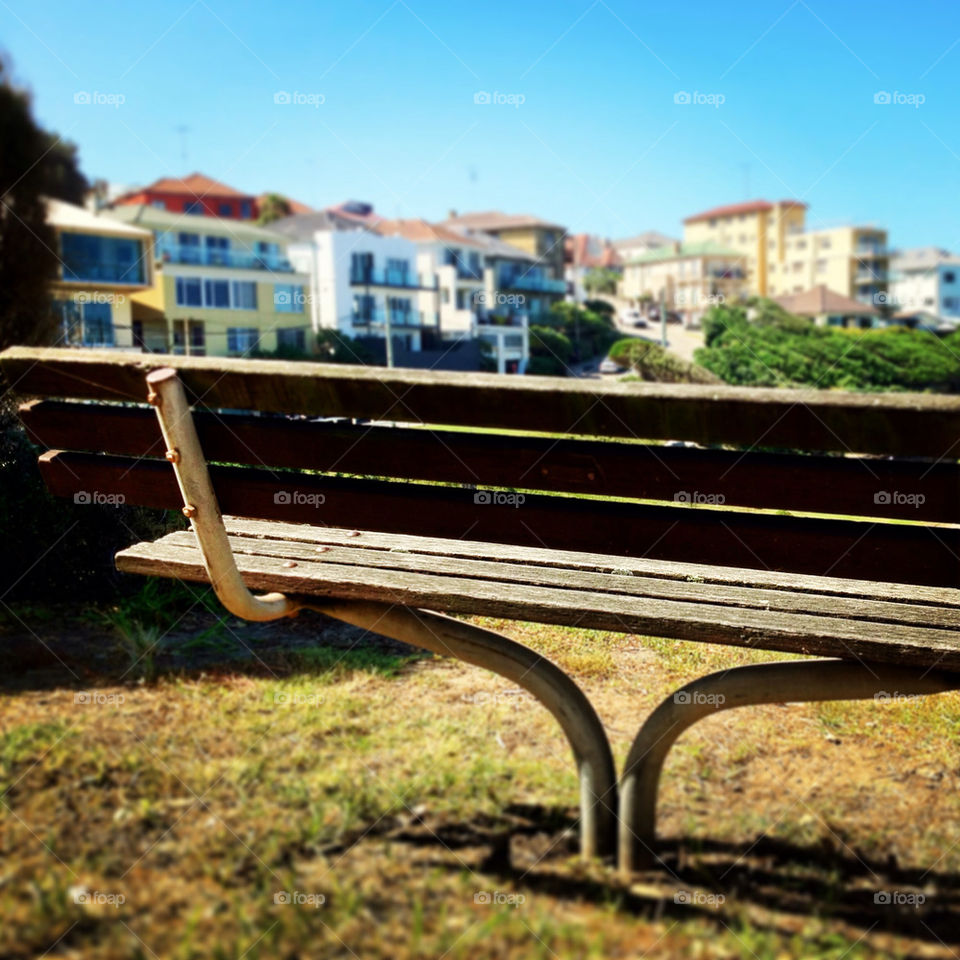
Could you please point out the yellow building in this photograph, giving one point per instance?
(851, 261)
(688, 277)
(104, 263)
(221, 287)
(757, 229)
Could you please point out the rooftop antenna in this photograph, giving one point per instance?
(183, 130)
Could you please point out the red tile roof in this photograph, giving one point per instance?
(820, 300)
(735, 209)
(422, 232)
(494, 220)
(197, 183)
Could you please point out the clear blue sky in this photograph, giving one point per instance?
(598, 142)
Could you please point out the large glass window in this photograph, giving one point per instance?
(86, 324)
(292, 338)
(189, 292)
(216, 293)
(189, 247)
(218, 250)
(242, 339)
(88, 256)
(288, 298)
(244, 295)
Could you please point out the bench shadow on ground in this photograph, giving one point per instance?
(773, 879)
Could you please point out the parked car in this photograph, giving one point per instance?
(611, 366)
(640, 322)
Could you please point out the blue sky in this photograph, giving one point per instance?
(598, 142)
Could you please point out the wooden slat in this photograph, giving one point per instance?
(915, 491)
(880, 612)
(864, 550)
(713, 623)
(596, 562)
(887, 424)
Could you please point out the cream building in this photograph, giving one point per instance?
(689, 278)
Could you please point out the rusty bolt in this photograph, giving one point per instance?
(189, 510)
(172, 455)
(153, 398)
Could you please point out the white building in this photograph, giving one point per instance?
(925, 280)
(629, 248)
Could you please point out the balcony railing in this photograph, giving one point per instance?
(393, 278)
(378, 318)
(871, 250)
(870, 276)
(104, 271)
(735, 273)
(216, 257)
(519, 280)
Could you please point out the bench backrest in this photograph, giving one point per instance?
(577, 465)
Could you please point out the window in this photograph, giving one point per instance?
(193, 206)
(225, 210)
(824, 243)
(445, 295)
(159, 204)
(89, 256)
(801, 244)
(189, 244)
(400, 309)
(364, 307)
(246, 211)
(949, 277)
(242, 339)
(97, 325)
(244, 295)
(189, 292)
(288, 298)
(216, 293)
(950, 303)
(217, 250)
(292, 338)
(821, 266)
(192, 329)
(361, 267)
(397, 270)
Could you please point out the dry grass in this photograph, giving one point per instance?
(398, 788)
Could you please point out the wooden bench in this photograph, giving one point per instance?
(818, 523)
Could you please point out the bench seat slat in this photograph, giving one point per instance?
(883, 551)
(595, 562)
(513, 573)
(851, 486)
(680, 619)
(886, 424)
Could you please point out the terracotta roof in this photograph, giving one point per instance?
(197, 183)
(819, 301)
(587, 250)
(420, 231)
(749, 206)
(492, 220)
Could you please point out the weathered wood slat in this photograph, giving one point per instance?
(598, 563)
(796, 633)
(869, 487)
(865, 550)
(887, 424)
(879, 612)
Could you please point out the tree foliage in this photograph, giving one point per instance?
(650, 361)
(273, 206)
(776, 349)
(34, 164)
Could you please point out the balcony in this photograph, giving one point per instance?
(203, 256)
(871, 250)
(870, 276)
(82, 270)
(735, 273)
(409, 319)
(521, 280)
(392, 278)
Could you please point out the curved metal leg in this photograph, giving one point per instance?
(792, 680)
(543, 679)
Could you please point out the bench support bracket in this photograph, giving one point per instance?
(782, 682)
(430, 631)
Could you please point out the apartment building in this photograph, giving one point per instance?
(540, 280)
(925, 279)
(104, 263)
(851, 261)
(629, 248)
(584, 253)
(689, 278)
(221, 287)
(364, 283)
(757, 229)
(195, 194)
